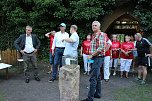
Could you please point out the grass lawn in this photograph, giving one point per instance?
(2, 97)
(134, 93)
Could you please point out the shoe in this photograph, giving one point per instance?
(37, 78)
(106, 80)
(88, 73)
(142, 82)
(138, 79)
(27, 80)
(127, 77)
(49, 72)
(85, 73)
(51, 80)
(114, 74)
(85, 99)
(97, 96)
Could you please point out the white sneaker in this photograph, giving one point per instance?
(85, 73)
(114, 74)
(49, 72)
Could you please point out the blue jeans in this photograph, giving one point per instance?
(57, 61)
(95, 79)
(51, 58)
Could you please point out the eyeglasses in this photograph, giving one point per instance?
(94, 25)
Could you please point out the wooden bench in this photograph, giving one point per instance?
(6, 67)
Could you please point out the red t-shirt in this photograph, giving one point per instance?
(115, 49)
(86, 47)
(126, 46)
(107, 53)
(51, 37)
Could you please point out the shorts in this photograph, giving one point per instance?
(143, 61)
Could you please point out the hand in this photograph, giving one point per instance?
(35, 50)
(63, 40)
(126, 53)
(89, 57)
(80, 54)
(22, 52)
(52, 52)
(149, 55)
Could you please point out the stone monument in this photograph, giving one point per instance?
(69, 77)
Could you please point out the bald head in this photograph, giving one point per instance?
(138, 36)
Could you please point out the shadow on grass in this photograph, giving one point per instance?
(134, 93)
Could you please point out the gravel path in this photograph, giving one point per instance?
(15, 89)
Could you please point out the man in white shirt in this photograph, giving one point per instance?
(27, 44)
(58, 49)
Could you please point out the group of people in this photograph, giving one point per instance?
(97, 51)
(60, 44)
(125, 51)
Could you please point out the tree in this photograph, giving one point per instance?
(143, 11)
(46, 15)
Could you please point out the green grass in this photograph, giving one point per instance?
(2, 97)
(134, 93)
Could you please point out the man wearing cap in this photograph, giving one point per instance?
(58, 49)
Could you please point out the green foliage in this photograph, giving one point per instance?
(143, 11)
(46, 15)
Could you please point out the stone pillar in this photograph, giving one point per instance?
(69, 77)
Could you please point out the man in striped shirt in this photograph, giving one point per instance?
(97, 51)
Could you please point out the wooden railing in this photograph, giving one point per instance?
(9, 56)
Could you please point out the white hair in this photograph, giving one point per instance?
(97, 22)
(114, 35)
(29, 26)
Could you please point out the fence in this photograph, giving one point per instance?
(9, 56)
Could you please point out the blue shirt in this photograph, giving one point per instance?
(71, 47)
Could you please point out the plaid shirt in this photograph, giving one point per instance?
(98, 43)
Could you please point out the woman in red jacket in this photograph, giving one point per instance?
(85, 48)
(126, 55)
(115, 53)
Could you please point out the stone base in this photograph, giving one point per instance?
(69, 77)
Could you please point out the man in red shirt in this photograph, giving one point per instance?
(85, 48)
(126, 56)
(115, 53)
(50, 35)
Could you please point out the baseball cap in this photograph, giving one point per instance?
(63, 25)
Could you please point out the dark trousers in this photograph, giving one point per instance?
(95, 79)
(30, 58)
(57, 61)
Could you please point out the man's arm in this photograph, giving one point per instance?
(47, 34)
(72, 39)
(69, 40)
(38, 42)
(17, 42)
(109, 43)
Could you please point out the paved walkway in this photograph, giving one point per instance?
(15, 89)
